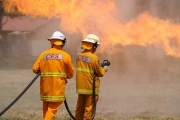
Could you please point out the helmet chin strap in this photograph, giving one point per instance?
(93, 50)
(94, 47)
(64, 41)
(52, 45)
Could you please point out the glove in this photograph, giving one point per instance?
(106, 68)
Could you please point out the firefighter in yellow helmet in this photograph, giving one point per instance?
(87, 64)
(55, 66)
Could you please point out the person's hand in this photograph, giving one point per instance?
(106, 68)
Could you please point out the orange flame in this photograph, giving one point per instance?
(101, 18)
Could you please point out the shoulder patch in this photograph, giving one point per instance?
(83, 58)
(52, 56)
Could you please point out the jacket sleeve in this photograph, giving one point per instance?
(100, 71)
(69, 68)
(36, 66)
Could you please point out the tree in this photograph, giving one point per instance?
(1, 15)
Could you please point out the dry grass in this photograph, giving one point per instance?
(99, 116)
(138, 90)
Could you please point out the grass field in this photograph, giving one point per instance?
(62, 115)
(144, 93)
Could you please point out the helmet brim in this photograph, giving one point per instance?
(90, 41)
(52, 38)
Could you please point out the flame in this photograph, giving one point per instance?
(102, 17)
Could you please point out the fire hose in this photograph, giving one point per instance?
(65, 102)
(17, 98)
(105, 63)
(94, 101)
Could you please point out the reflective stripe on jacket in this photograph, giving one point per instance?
(87, 64)
(85, 70)
(55, 66)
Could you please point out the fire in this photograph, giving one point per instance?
(102, 18)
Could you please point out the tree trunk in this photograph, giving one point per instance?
(1, 15)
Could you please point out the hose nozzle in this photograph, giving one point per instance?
(105, 63)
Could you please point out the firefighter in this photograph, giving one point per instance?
(87, 64)
(55, 66)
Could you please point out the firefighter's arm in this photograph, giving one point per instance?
(70, 68)
(100, 71)
(36, 66)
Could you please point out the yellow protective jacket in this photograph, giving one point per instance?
(87, 64)
(55, 66)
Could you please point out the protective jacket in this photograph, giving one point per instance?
(55, 66)
(87, 65)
